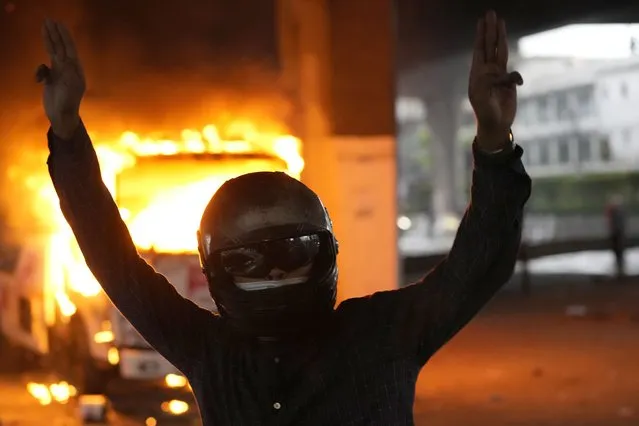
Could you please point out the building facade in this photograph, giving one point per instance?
(575, 117)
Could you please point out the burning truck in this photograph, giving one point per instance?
(53, 309)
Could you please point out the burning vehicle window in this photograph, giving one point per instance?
(162, 198)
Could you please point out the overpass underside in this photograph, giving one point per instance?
(340, 62)
(431, 30)
(434, 40)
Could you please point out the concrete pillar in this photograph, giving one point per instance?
(442, 121)
(338, 65)
(442, 87)
(445, 120)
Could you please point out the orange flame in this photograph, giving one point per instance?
(177, 191)
(162, 187)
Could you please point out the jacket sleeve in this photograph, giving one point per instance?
(173, 325)
(425, 315)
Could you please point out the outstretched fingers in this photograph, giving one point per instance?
(47, 40)
(67, 42)
(479, 55)
(502, 45)
(490, 37)
(53, 42)
(61, 49)
(490, 41)
(490, 51)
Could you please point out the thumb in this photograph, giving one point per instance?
(511, 79)
(43, 74)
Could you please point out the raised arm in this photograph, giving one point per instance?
(425, 315)
(480, 262)
(173, 325)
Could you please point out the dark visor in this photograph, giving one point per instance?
(257, 260)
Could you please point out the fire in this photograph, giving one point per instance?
(45, 394)
(179, 190)
(162, 187)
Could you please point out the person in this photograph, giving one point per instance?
(616, 220)
(279, 352)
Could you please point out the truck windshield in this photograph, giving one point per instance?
(162, 198)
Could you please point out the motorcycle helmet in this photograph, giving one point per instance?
(268, 252)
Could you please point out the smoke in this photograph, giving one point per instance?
(164, 59)
(150, 66)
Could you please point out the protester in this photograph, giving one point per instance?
(279, 352)
(616, 219)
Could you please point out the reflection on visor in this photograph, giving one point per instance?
(265, 285)
(258, 260)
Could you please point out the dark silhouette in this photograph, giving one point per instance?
(279, 352)
(616, 220)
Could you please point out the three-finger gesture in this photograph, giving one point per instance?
(491, 88)
(64, 82)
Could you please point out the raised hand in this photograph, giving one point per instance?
(64, 82)
(491, 88)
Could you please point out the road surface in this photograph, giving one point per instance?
(531, 364)
(521, 362)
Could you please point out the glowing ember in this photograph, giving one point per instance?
(175, 407)
(175, 381)
(45, 394)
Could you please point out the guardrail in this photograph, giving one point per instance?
(415, 265)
